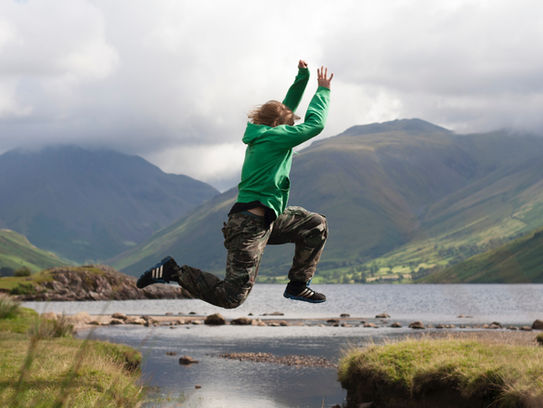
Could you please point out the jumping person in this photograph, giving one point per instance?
(261, 216)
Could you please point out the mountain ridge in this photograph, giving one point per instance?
(82, 203)
(388, 194)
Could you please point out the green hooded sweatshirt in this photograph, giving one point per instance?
(268, 157)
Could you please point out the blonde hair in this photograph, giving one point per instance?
(273, 113)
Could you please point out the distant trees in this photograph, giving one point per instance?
(24, 271)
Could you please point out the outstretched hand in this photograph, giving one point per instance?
(322, 77)
(302, 64)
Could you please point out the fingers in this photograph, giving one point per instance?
(322, 73)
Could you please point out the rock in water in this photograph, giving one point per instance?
(215, 319)
(187, 360)
(242, 321)
(538, 325)
(120, 316)
(416, 325)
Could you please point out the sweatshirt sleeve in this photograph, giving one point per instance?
(296, 90)
(315, 118)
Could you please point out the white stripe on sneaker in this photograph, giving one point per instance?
(159, 274)
(305, 292)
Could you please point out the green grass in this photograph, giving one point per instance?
(19, 285)
(517, 262)
(8, 306)
(17, 252)
(469, 371)
(41, 365)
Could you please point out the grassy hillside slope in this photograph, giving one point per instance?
(17, 252)
(520, 261)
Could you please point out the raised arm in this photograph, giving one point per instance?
(296, 90)
(315, 117)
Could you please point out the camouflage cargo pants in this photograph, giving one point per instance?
(245, 237)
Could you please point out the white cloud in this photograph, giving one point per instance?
(9, 106)
(174, 79)
(220, 163)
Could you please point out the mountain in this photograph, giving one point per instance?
(17, 252)
(90, 204)
(401, 197)
(520, 261)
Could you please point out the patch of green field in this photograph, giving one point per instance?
(17, 252)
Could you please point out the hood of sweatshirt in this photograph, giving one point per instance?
(254, 132)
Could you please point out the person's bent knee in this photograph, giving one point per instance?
(235, 295)
(318, 233)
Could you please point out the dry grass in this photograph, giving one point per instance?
(40, 369)
(8, 306)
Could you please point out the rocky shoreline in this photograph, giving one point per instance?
(84, 320)
(91, 282)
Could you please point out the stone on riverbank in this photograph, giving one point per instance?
(537, 325)
(418, 325)
(382, 316)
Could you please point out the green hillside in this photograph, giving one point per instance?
(520, 261)
(401, 198)
(17, 252)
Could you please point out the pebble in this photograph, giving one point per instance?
(242, 321)
(187, 360)
(120, 316)
(116, 321)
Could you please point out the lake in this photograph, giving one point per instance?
(244, 384)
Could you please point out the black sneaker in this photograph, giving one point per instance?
(162, 272)
(302, 291)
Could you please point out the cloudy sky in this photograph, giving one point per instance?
(173, 80)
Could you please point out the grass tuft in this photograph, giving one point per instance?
(41, 365)
(471, 371)
(51, 328)
(539, 339)
(8, 306)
